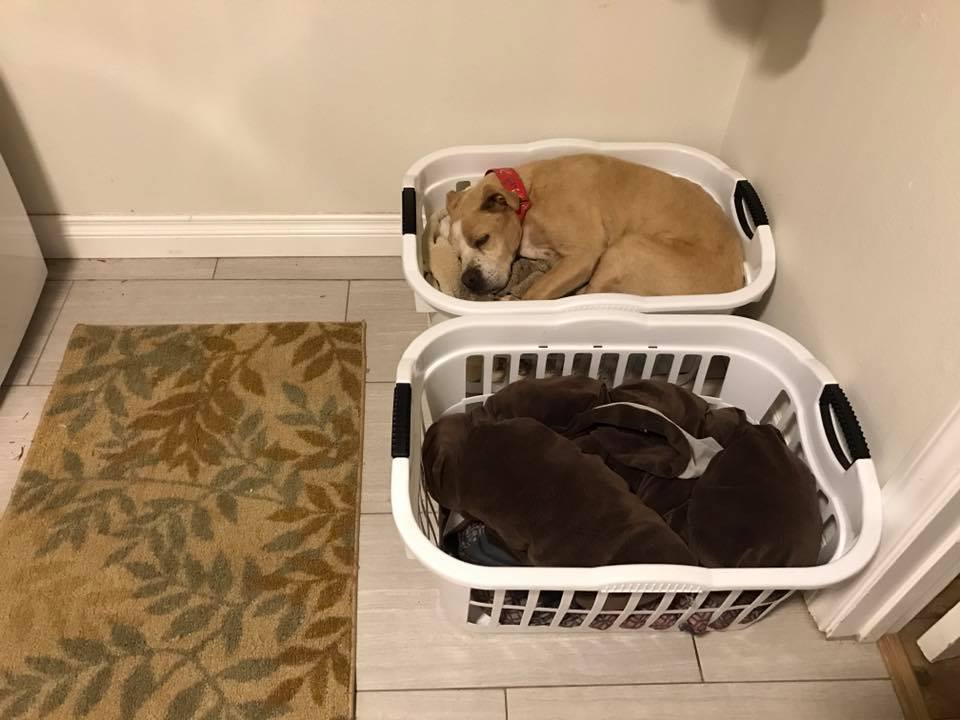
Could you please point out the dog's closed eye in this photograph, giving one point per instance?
(481, 241)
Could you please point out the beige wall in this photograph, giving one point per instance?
(856, 150)
(307, 106)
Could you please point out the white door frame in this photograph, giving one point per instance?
(942, 640)
(919, 552)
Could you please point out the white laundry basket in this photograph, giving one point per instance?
(429, 179)
(732, 359)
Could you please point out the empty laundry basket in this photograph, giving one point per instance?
(730, 359)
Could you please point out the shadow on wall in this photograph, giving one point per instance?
(22, 159)
(755, 310)
(742, 19)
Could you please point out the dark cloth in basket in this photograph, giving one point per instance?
(754, 504)
(543, 496)
(554, 401)
(650, 463)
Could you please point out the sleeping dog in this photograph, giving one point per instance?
(603, 225)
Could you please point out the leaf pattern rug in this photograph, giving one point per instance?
(182, 541)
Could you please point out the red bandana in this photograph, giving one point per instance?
(510, 179)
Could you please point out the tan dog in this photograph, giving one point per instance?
(602, 223)
(441, 265)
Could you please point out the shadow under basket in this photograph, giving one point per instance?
(725, 358)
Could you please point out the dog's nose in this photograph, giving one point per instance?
(472, 279)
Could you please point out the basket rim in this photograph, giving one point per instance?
(606, 314)
(635, 578)
(409, 177)
(708, 303)
(642, 577)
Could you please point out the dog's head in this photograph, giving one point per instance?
(485, 231)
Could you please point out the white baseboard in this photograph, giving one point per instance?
(124, 236)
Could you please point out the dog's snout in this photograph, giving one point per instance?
(472, 279)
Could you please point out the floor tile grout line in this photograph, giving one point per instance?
(506, 706)
(696, 652)
(225, 279)
(216, 264)
(494, 688)
(346, 308)
(53, 326)
(309, 279)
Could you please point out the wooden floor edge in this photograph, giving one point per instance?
(904, 681)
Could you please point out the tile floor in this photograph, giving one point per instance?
(412, 663)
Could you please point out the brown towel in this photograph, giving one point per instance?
(686, 409)
(648, 464)
(646, 450)
(683, 407)
(550, 464)
(542, 496)
(554, 401)
(755, 506)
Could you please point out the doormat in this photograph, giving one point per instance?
(182, 540)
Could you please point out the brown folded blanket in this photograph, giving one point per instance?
(542, 496)
(747, 502)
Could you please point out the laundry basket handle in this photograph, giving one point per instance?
(744, 194)
(409, 215)
(833, 398)
(400, 443)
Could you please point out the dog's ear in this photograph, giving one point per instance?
(453, 200)
(498, 200)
